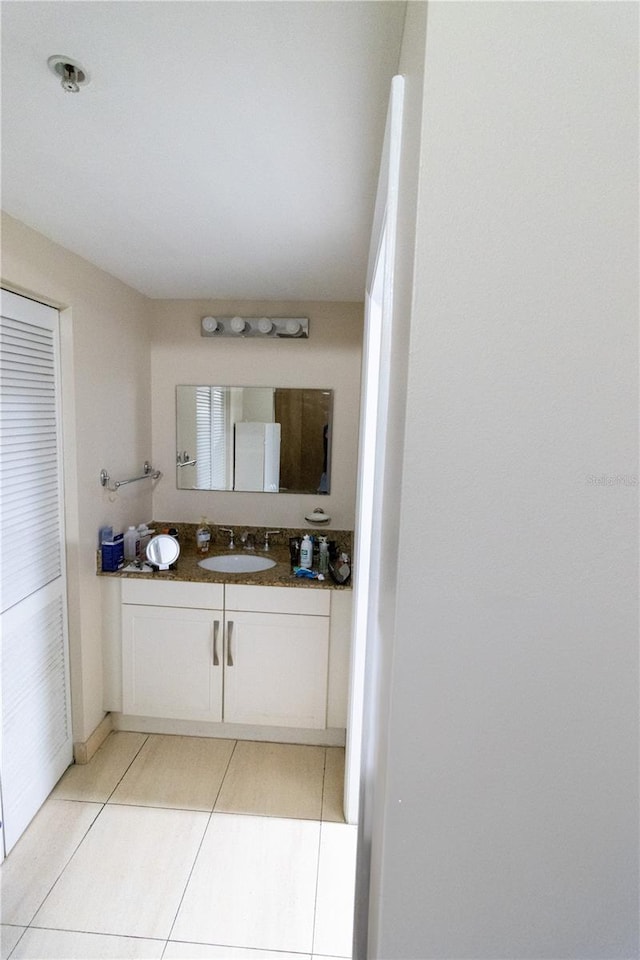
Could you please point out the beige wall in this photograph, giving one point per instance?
(509, 798)
(329, 358)
(112, 338)
(106, 423)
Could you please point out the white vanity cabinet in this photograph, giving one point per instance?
(277, 656)
(172, 652)
(228, 654)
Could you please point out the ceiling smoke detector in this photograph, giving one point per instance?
(72, 74)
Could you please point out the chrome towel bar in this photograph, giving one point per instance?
(149, 474)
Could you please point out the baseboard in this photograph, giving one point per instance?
(331, 737)
(82, 752)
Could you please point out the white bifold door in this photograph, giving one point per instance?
(36, 722)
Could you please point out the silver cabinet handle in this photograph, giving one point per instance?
(216, 627)
(229, 632)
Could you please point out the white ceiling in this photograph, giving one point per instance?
(221, 150)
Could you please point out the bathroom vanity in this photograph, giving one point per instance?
(212, 656)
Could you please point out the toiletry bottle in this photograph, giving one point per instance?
(294, 551)
(113, 553)
(340, 571)
(132, 544)
(145, 535)
(203, 536)
(306, 552)
(323, 557)
(105, 535)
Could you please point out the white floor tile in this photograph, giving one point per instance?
(336, 885)
(180, 772)
(9, 936)
(208, 951)
(40, 855)
(69, 945)
(333, 788)
(97, 779)
(128, 875)
(253, 884)
(274, 780)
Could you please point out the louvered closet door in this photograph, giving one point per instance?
(36, 726)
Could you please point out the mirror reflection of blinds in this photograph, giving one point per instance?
(203, 435)
(212, 419)
(30, 468)
(219, 434)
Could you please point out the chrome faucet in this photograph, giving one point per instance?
(230, 532)
(266, 539)
(249, 541)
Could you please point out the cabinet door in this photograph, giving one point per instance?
(172, 662)
(276, 669)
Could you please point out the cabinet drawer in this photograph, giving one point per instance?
(278, 600)
(173, 593)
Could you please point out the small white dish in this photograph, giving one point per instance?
(318, 516)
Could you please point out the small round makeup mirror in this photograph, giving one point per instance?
(162, 551)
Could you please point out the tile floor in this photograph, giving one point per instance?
(186, 848)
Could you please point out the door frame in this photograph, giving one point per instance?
(378, 332)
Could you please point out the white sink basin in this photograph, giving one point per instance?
(236, 563)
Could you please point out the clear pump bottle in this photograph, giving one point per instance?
(203, 536)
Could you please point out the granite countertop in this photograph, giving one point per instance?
(281, 575)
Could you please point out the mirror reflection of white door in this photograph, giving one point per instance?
(36, 721)
(372, 451)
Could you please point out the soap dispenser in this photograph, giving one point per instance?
(203, 536)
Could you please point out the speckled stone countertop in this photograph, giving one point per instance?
(186, 567)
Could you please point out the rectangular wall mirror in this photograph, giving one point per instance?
(268, 439)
